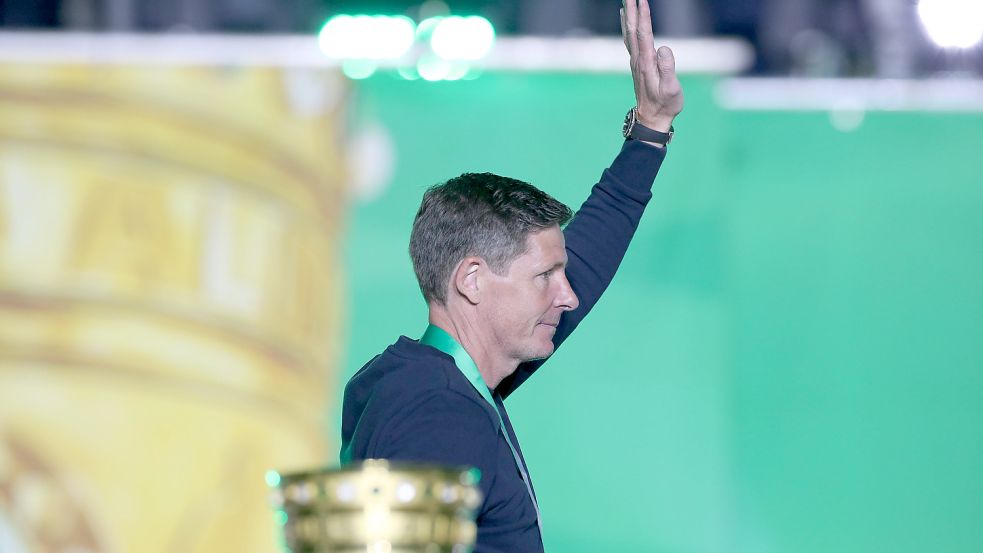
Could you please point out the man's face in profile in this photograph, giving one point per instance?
(526, 302)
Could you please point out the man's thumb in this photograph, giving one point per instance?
(665, 61)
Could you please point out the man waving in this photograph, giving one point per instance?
(508, 272)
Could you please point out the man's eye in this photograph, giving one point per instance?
(547, 274)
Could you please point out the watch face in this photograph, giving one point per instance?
(629, 123)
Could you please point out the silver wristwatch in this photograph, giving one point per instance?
(633, 130)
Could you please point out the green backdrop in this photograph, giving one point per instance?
(791, 357)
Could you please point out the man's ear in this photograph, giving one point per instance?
(467, 281)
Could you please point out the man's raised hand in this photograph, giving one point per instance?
(658, 94)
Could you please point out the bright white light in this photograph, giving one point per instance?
(462, 38)
(373, 37)
(952, 23)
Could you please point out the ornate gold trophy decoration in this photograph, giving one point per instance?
(378, 507)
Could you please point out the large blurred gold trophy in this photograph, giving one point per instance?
(378, 507)
(169, 300)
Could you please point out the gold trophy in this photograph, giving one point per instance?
(377, 507)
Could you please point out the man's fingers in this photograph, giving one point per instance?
(631, 13)
(643, 21)
(624, 30)
(644, 41)
(629, 23)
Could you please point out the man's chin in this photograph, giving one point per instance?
(542, 352)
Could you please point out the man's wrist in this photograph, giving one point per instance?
(635, 129)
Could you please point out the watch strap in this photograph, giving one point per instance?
(634, 130)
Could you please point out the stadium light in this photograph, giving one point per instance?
(952, 23)
(462, 38)
(375, 37)
(438, 48)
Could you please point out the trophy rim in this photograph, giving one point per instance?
(472, 475)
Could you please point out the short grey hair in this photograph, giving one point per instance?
(477, 214)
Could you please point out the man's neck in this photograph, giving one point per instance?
(465, 330)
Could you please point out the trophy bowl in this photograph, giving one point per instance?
(377, 506)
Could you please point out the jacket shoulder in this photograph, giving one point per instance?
(405, 373)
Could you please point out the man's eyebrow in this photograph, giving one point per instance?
(557, 265)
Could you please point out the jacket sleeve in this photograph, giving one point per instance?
(598, 236)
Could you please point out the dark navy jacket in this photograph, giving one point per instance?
(411, 402)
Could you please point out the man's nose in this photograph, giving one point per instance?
(567, 299)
